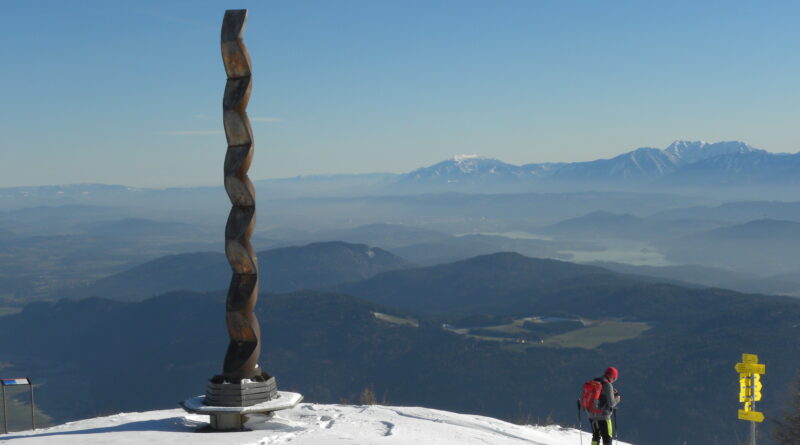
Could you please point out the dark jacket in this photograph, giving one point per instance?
(606, 403)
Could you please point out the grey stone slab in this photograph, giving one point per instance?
(241, 391)
(284, 400)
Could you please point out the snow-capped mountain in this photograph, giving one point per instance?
(688, 152)
(306, 424)
(754, 168)
(640, 164)
(682, 161)
(649, 163)
(465, 169)
(681, 164)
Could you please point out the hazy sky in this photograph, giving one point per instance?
(129, 92)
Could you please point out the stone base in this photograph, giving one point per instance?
(232, 418)
(225, 422)
(241, 394)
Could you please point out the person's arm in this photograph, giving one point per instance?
(611, 398)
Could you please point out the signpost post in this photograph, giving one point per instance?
(750, 391)
(15, 382)
(5, 411)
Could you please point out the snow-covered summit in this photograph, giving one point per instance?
(464, 169)
(470, 163)
(463, 157)
(642, 164)
(306, 424)
(688, 152)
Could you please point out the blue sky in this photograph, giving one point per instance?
(129, 92)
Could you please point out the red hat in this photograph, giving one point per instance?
(612, 373)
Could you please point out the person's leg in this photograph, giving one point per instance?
(595, 431)
(606, 430)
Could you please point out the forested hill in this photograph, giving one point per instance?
(284, 269)
(495, 283)
(675, 348)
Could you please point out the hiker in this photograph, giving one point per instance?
(601, 417)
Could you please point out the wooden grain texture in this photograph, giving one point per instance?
(240, 191)
(237, 128)
(234, 53)
(241, 359)
(237, 94)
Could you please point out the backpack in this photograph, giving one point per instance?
(590, 396)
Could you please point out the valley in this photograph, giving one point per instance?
(415, 296)
(554, 332)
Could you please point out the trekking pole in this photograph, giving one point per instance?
(580, 422)
(616, 427)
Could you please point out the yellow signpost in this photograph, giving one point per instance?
(750, 368)
(752, 416)
(750, 391)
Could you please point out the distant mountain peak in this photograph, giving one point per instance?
(470, 163)
(679, 145)
(464, 157)
(687, 152)
(464, 169)
(671, 165)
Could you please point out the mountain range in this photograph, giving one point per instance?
(681, 163)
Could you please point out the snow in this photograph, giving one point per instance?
(467, 163)
(306, 424)
(283, 401)
(688, 152)
(463, 157)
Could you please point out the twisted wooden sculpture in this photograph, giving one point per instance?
(241, 360)
(242, 387)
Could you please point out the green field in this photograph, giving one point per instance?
(396, 320)
(517, 337)
(597, 333)
(514, 327)
(9, 310)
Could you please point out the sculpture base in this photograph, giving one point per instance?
(232, 418)
(220, 393)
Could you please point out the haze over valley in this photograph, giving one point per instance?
(399, 222)
(370, 279)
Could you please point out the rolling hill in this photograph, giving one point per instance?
(496, 284)
(607, 225)
(467, 246)
(712, 277)
(386, 236)
(283, 269)
(736, 212)
(765, 247)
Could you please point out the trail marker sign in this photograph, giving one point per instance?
(753, 416)
(750, 368)
(750, 391)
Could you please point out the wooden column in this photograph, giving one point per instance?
(241, 360)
